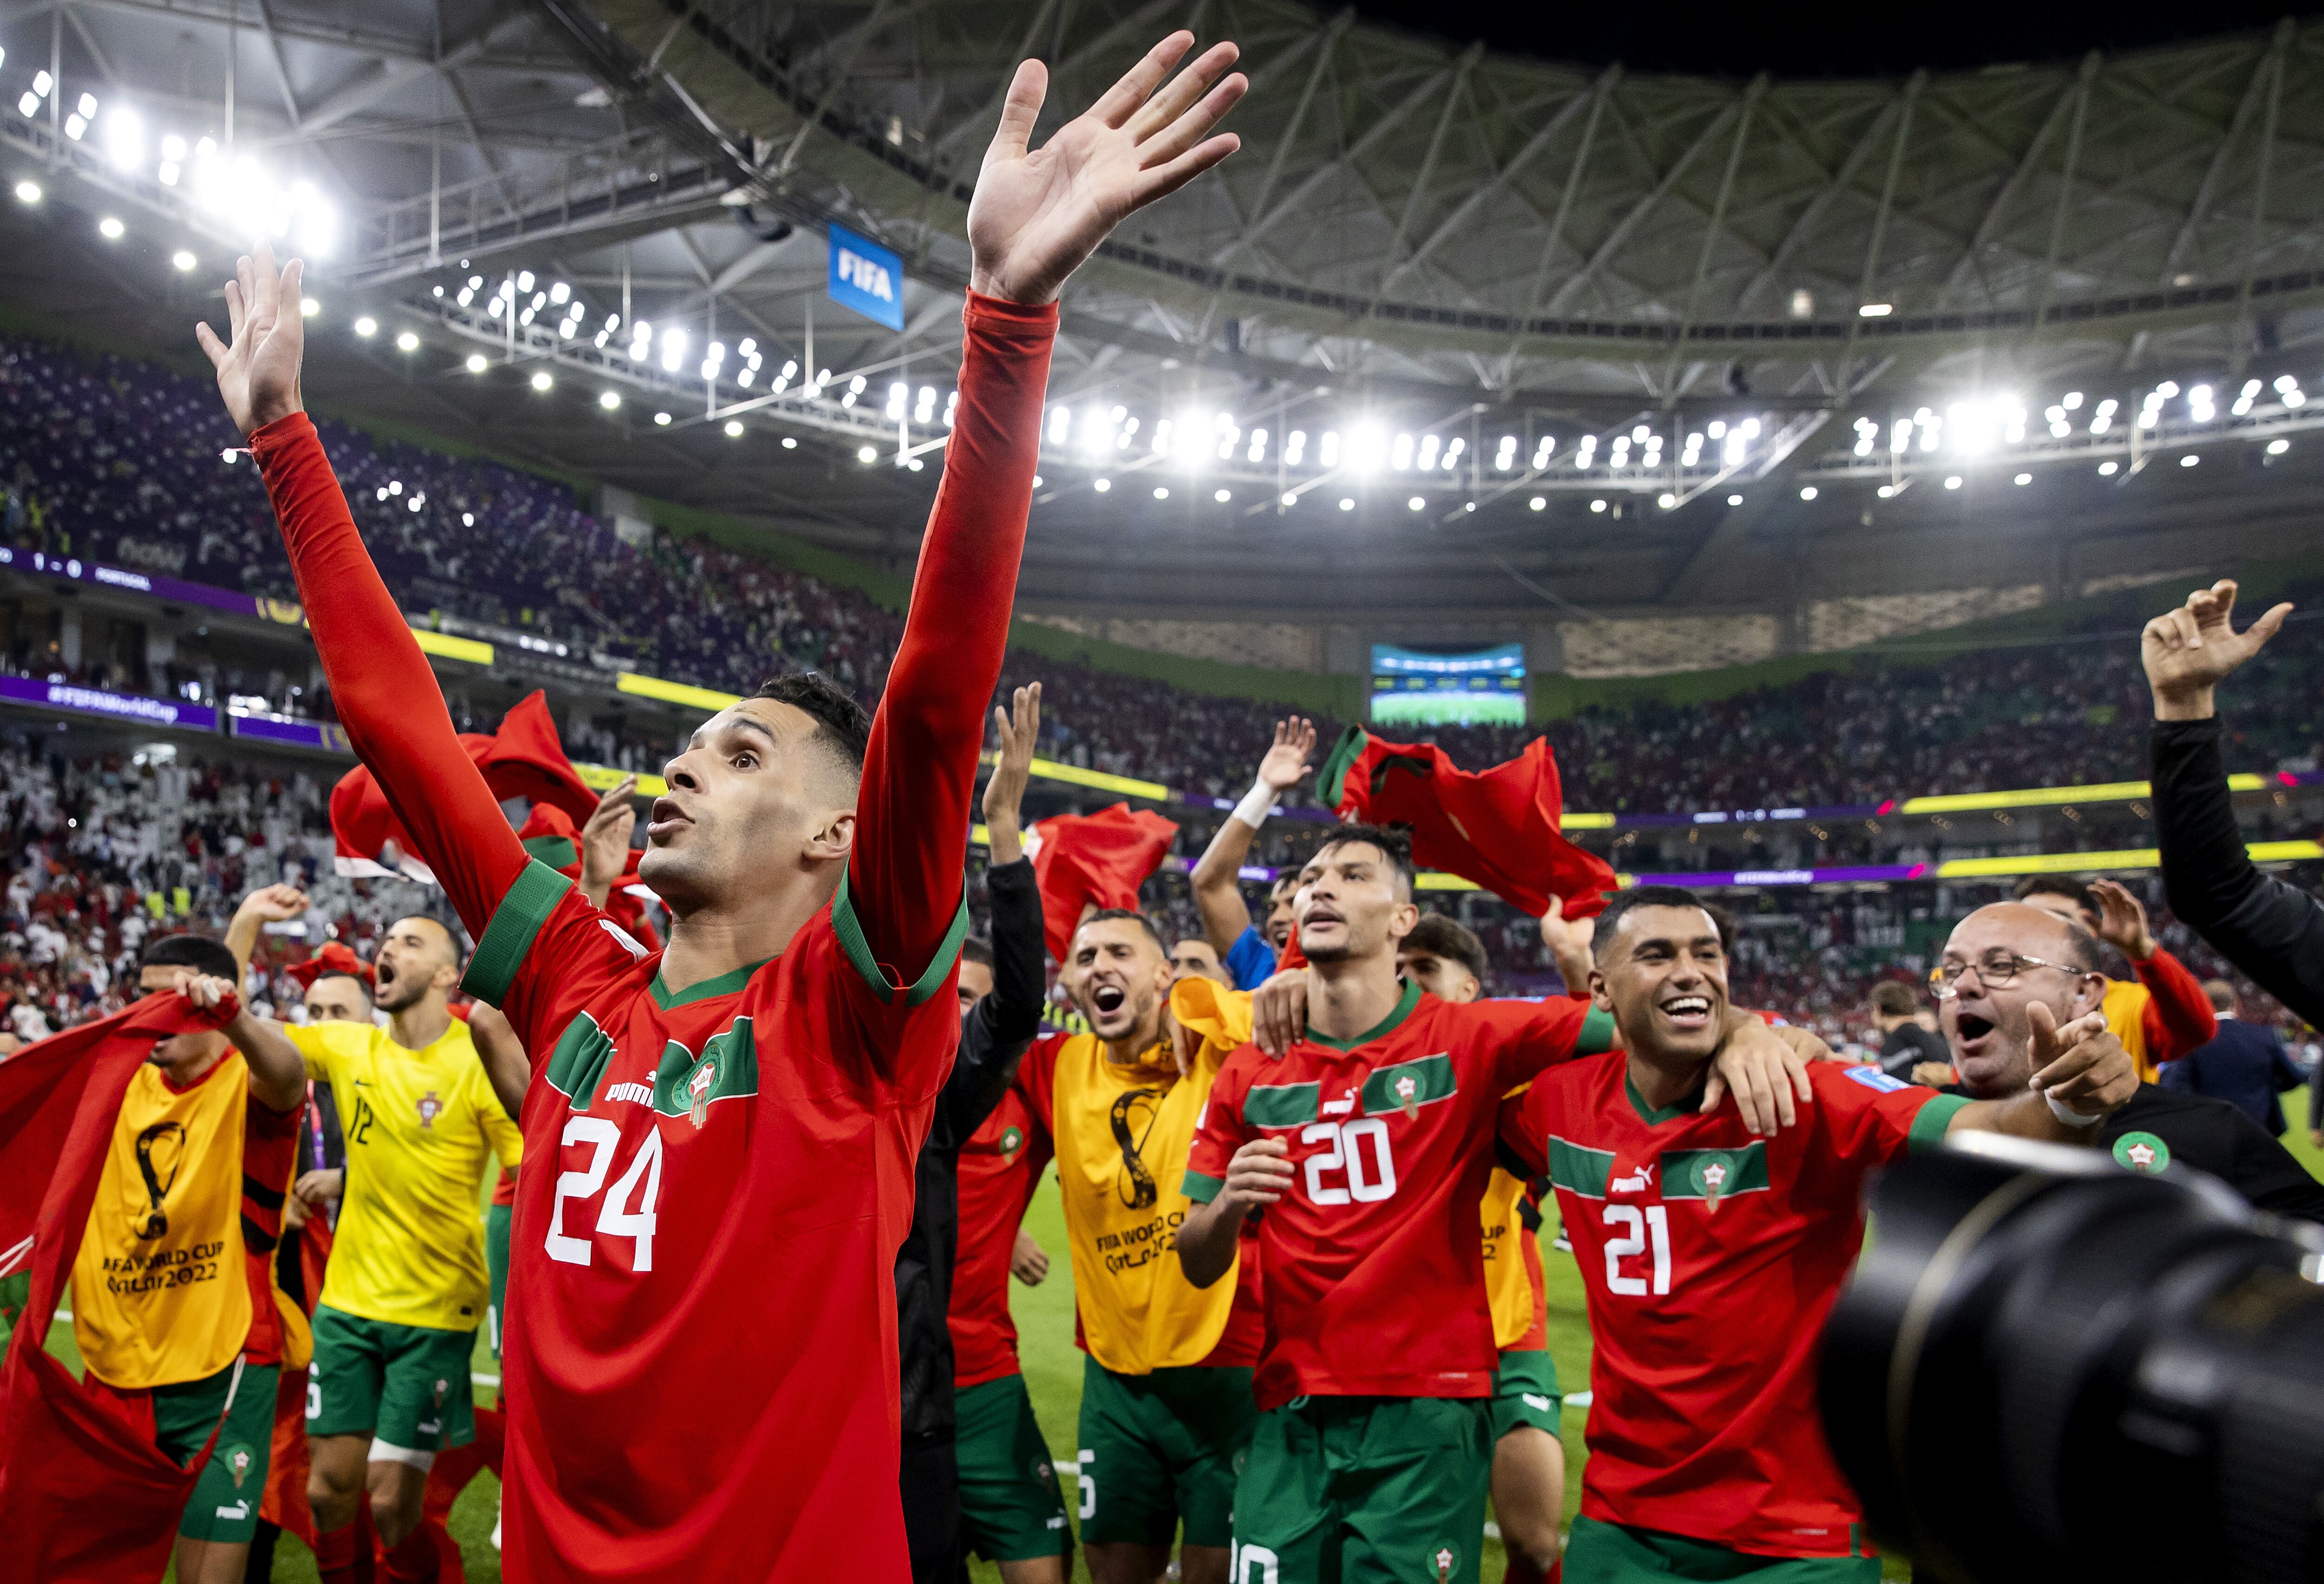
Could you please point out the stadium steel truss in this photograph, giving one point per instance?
(1484, 303)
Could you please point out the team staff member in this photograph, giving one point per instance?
(407, 1285)
(998, 1025)
(2002, 957)
(1165, 1388)
(1369, 1142)
(1710, 1258)
(1528, 1484)
(174, 1305)
(2162, 1016)
(1247, 953)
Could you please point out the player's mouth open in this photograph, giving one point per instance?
(1688, 1012)
(1108, 999)
(383, 974)
(667, 818)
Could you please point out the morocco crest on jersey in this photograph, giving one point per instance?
(698, 1087)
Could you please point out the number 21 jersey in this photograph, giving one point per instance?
(701, 1357)
(1375, 1280)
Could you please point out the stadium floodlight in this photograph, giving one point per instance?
(1289, 499)
(42, 82)
(88, 106)
(2189, 460)
(1876, 310)
(111, 228)
(1539, 502)
(1428, 444)
(1327, 450)
(898, 393)
(1367, 449)
(2278, 446)
(673, 348)
(1884, 492)
(405, 341)
(542, 380)
(1807, 491)
(1640, 433)
(28, 193)
(1400, 456)
(29, 105)
(125, 137)
(1222, 497)
(1598, 505)
(1295, 448)
(1163, 429)
(1161, 492)
(182, 260)
(1666, 500)
(733, 429)
(366, 326)
(868, 455)
(1102, 485)
(1228, 433)
(1416, 503)
(74, 126)
(1737, 500)
(2167, 389)
(477, 363)
(1258, 451)
(2108, 469)
(1954, 481)
(226, 457)
(790, 442)
(468, 519)
(2022, 479)
(395, 487)
(309, 307)
(610, 401)
(1716, 429)
(2072, 401)
(559, 291)
(1061, 420)
(1346, 503)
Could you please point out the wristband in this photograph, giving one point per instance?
(1257, 804)
(2071, 1117)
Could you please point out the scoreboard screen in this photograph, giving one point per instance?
(1410, 687)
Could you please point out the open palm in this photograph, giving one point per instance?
(258, 373)
(2188, 652)
(1036, 213)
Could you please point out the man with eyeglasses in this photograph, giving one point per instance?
(2001, 960)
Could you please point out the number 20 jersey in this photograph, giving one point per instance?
(1381, 1284)
(701, 1359)
(1710, 1258)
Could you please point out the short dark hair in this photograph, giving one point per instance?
(2222, 994)
(841, 724)
(1894, 998)
(976, 949)
(454, 934)
(2065, 885)
(198, 952)
(1153, 929)
(1393, 841)
(1448, 937)
(1627, 902)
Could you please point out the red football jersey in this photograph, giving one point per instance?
(1375, 1271)
(1710, 1258)
(701, 1267)
(1000, 1167)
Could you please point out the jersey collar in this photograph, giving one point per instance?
(726, 984)
(1404, 1005)
(1685, 1105)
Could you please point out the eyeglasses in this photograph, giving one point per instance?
(1995, 970)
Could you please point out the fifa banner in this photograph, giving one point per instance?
(133, 707)
(867, 278)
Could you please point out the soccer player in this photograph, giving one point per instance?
(1711, 1257)
(996, 1030)
(407, 1286)
(1369, 1143)
(1249, 953)
(173, 1301)
(701, 1363)
(1529, 1481)
(2161, 1016)
(1166, 1387)
(1195, 958)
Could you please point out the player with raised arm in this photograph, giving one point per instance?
(1245, 951)
(701, 1362)
(1710, 1256)
(1367, 1142)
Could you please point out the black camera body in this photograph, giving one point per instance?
(2050, 1369)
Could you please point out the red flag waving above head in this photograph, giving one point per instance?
(524, 759)
(552, 836)
(1499, 828)
(1093, 860)
(335, 957)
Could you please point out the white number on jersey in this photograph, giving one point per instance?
(1343, 1152)
(1251, 1564)
(1085, 1477)
(616, 1218)
(1654, 1223)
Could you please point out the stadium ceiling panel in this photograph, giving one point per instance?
(1451, 242)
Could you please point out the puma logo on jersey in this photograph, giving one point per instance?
(640, 1093)
(1638, 1181)
(1342, 1106)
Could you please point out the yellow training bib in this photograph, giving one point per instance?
(1508, 1284)
(160, 1292)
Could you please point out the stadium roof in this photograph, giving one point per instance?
(1420, 237)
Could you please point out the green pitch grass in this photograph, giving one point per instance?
(1448, 708)
(1052, 1375)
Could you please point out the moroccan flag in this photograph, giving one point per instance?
(85, 1496)
(1093, 860)
(1499, 828)
(524, 759)
(333, 957)
(554, 836)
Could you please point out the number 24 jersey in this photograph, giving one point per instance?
(1375, 1271)
(1710, 1258)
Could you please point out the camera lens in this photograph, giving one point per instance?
(2049, 1369)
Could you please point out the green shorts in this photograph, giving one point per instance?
(497, 1221)
(1524, 1393)
(406, 1387)
(1366, 1490)
(1616, 1553)
(1009, 1508)
(225, 1503)
(1162, 1447)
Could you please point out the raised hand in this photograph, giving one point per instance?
(258, 373)
(2082, 1066)
(275, 905)
(1764, 1069)
(1037, 214)
(2122, 919)
(2188, 652)
(605, 840)
(1285, 765)
(1019, 730)
(1569, 943)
